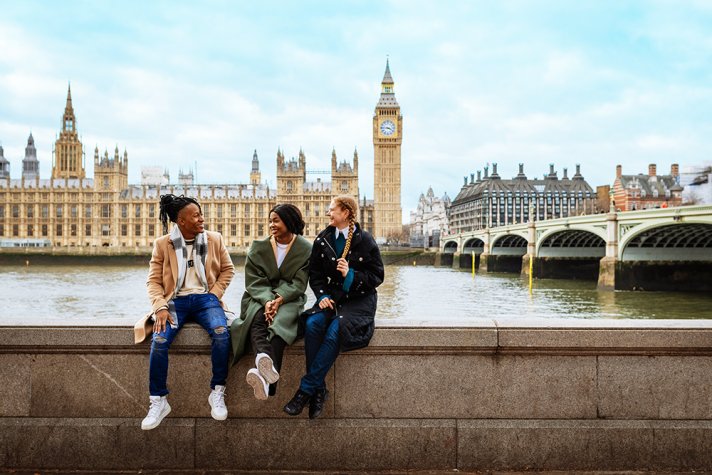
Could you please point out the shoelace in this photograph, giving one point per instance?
(155, 409)
(219, 399)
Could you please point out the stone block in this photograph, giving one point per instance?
(463, 339)
(627, 340)
(326, 444)
(89, 385)
(15, 387)
(584, 445)
(95, 444)
(655, 387)
(465, 386)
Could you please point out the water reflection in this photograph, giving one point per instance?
(117, 295)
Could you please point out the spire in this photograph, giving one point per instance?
(387, 78)
(255, 162)
(388, 97)
(68, 109)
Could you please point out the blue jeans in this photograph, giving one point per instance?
(204, 309)
(321, 347)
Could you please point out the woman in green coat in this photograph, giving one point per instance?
(276, 275)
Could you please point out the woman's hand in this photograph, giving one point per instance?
(326, 303)
(342, 266)
(271, 308)
(159, 320)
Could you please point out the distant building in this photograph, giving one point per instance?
(632, 192)
(491, 201)
(429, 221)
(155, 176)
(603, 198)
(697, 183)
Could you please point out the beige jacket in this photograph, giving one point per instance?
(163, 269)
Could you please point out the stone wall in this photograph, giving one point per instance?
(490, 395)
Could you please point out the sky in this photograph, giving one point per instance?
(180, 83)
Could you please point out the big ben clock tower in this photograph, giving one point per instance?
(387, 139)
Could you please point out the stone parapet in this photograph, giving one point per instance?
(488, 395)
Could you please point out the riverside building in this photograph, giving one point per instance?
(490, 201)
(70, 209)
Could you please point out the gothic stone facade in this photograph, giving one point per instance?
(70, 210)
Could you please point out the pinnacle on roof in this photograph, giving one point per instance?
(387, 78)
(68, 107)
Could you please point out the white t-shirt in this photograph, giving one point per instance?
(281, 252)
(191, 284)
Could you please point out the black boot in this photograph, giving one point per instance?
(296, 404)
(316, 405)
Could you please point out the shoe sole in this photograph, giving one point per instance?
(158, 422)
(259, 389)
(266, 369)
(212, 411)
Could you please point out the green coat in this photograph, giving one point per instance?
(263, 280)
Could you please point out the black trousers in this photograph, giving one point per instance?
(259, 337)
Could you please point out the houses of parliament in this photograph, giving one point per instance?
(72, 210)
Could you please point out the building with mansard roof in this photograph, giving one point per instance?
(491, 201)
(632, 192)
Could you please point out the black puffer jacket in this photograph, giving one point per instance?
(356, 308)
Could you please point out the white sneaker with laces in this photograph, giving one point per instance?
(158, 410)
(266, 368)
(217, 403)
(258, 383)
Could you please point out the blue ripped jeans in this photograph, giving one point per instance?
(205, 309)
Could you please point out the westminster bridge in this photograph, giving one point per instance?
(655, 249)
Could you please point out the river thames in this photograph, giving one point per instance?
(116, 295)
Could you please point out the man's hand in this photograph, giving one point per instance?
(160, 318)
(326, 303)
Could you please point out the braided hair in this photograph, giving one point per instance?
(290, 216)
(170, 207)
(351, 205)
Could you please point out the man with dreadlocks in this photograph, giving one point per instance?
(345, 268)
(189, 272)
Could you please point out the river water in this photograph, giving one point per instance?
(116, 295)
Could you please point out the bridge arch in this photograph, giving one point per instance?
(572, 242)
(509, 245)
(450, 247)
(669, 241)
(474, 244)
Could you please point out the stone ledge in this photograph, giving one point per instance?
(356, 444)
(634, 338)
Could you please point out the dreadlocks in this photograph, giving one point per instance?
(170, 207)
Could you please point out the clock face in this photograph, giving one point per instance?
(388, 127)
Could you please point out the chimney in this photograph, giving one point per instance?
(566, 173)
(551, 169)
(675, 170)
(619, 171)
(521, 168)
(494, 169)
(486, 171)
(479, 176)
(465, 184)
(472, 178)
(651, 169)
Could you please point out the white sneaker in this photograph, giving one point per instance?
(266, 368)
(258, 383)
(217, 403)
(158, 410)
